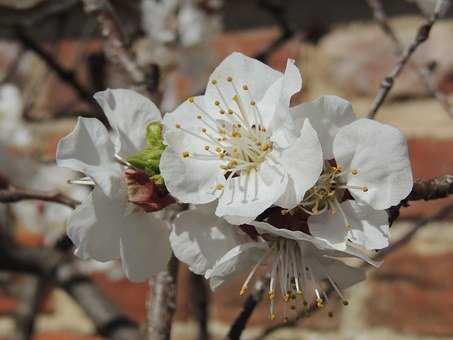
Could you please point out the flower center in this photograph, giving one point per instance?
(235, 135)
(292, 278)
(329, 191)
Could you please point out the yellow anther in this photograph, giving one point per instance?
(185, 154)
(348, 225)
(252, 103)
(220, 186)
(365, 189)
(245, 87)
(230, 111)
(286, 297)
(199, 117)
(191, 100)
(216, 103)
(239, 126)
(218, 149)
(213, 81)
(229, 78)
(271, 295)
(243, 291)
(178, 126)
(319, 302)
(222, 112)
(203, 130)
(354, 172)
(273, 316)
(345, 302)
(206, 147)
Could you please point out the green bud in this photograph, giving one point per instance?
(149, 158)
(154, 134)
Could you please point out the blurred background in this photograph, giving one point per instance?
(55, 54)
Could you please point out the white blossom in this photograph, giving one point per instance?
(366, 170)
(12, 128)
(106, 226)
(295, 261)
(239, 144)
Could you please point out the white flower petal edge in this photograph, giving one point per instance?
(88, 149)
(199, 238)
(101, 231)
(366, 227)
(128, 112)
(222, 145)
(327, 114)
(378, 156)
(303, 162)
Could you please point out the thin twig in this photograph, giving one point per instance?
(162, 303)
(421, 36)
(248, 307)
(31, 297)
(200, 304)
(115, 39)
(278, 11)
(56, 267)
(13, 195)
(65, 75)
(424, 73)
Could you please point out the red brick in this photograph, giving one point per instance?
(64, 336)
(413, 293)
(429, 157)
(129, 296)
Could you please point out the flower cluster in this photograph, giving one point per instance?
(296, 189)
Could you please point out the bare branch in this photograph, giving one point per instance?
(13, 195)
(31, 297)
(437, 187)
(421, 36)
(115, 39)
(248, 307)
(162, 303)
(424, 73)
(200, 302)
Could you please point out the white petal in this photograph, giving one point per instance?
(129, 113)
(234, 262)
(95, 227)
(303, 162)
(199, 238)
(266, 228)
(244, 71)
(327, 114)
(88, 149)
(144, 245)
(379, 153)
(370, 228)
(188, 179)
(329, 228)
(249, 195)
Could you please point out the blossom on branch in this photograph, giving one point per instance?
(107, 226)
(296, 262)
(366, 170)
(239, 143)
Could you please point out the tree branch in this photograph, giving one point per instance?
(248, 307)
(424, 73)
(162, 303)
(31, 297)
(13, 195)
(57, 267)
(421, 36)
(200, 303)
